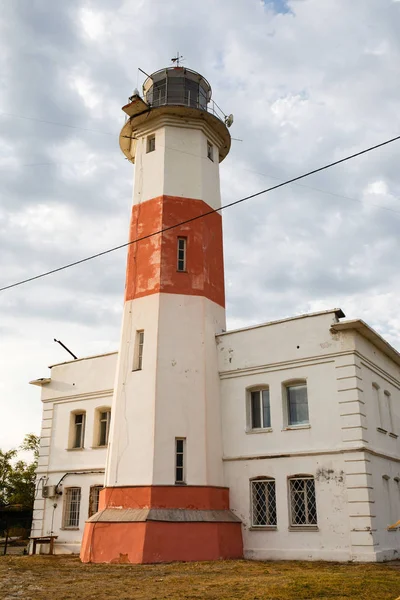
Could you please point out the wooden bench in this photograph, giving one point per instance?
(46, 539)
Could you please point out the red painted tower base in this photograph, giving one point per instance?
(151, 524)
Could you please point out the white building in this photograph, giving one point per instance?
(277, 441)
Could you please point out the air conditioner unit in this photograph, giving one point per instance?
(49, 491)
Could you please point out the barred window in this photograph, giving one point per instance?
(263, 503)
(72, 503)
(260, 409)
(94, 499)
(303, 506)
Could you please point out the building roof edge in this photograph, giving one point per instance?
(370, 334)
(339, 314)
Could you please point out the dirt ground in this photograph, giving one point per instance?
(65, 578)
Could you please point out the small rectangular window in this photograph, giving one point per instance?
(94, 499)
(79, 430)
(105, 418)
(297, 404)
(210, 151)
(151, 143)
(138, 360)
(303, 506)
(181, 256)
(72, 504)
(260, 409)
(180, 444)
(263, 503)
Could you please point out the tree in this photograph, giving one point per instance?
(17, 477)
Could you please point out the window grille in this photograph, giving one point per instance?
(297, 404)
(260, 409)
(181, 258)
(180, 444)
(94, 499)
(263, 503)
(72, 507)
(303, 506)
(79, 430)
(105, 418)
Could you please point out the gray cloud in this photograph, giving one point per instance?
(308, 83)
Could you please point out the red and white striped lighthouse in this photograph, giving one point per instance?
(164, 496)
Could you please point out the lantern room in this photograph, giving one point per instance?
(177, 85)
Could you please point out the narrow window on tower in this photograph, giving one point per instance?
(180, 446)
(210, 151)
(181, 254)
(151, 143)
(138, 358)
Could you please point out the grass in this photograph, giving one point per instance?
(65, 578)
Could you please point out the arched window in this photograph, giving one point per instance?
(77, 430)
(296, 403)
(388, 406)
(258, 408)
(102, 426)
(263, 502)
(302, 501)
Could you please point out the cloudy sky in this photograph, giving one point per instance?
(309, 81)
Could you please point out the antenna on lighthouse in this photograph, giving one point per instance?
(177, 59)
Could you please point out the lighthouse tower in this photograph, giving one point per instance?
(164, 496)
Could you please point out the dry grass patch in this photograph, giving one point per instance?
(49, 577)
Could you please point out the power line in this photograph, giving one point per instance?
(210, 212)
(334, 194)
(4, 114)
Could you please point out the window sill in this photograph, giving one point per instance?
(69, 528)
(293, 427)
(182, 271)
(180, 483)
(260, 430)
(135, 370)
(99, 447)
(381, 430)
(303, 528)
(264, 528)
(393, 435)
(74, 449)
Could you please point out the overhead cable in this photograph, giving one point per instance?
(201, 216)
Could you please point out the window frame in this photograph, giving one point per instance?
(250, 413)
(104, 411)
(287, 385)
(269, 481)
(94, 494)
(67, 507)
(210, 151)
(150, 143)
(138, 352)
(302, 526)
(181, 268)
(73, 430)
(183, 466)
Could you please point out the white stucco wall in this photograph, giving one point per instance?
(84, 385)
(175, 394)
(179, 165)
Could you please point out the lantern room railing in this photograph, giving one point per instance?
(183, 92)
